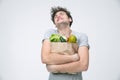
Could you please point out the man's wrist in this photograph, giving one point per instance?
(75, 57)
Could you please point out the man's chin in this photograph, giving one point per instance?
(63, 24)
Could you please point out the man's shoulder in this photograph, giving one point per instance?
(51, 31)
(79, 33)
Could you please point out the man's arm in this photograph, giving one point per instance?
(73, 67)
(55, 58)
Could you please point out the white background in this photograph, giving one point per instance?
(23, 23)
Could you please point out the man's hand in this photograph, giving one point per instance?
(51, 68)
(76, 57)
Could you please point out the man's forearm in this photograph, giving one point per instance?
(55, 58)
(72, 67)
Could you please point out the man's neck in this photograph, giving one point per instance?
(64, 30)
(62, 26)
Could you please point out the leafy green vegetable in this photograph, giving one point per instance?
(57, 38)
(62, 39)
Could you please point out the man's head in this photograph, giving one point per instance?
(57, 12)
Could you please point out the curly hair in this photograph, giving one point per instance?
(54, 10)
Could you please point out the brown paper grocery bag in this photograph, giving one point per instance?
(60, 47)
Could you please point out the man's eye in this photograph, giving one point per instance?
(55, 17)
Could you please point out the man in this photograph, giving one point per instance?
(65, 64)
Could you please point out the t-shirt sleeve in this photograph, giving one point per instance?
(83, 41)
(47, 34)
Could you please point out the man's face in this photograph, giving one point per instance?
(61, 17)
